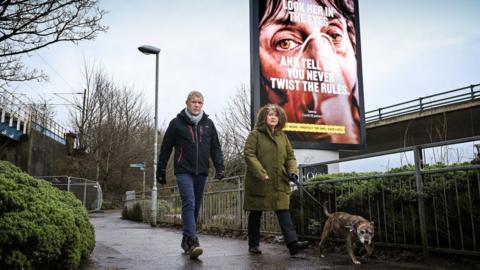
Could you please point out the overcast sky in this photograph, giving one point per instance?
(410, 48)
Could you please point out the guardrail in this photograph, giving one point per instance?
(24, 113)
(463, 94)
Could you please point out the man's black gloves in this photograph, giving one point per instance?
(161, 177)
(220, 175)
(293, 177)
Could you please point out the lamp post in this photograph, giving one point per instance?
(147, 49)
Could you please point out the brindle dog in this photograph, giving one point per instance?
(348, 226)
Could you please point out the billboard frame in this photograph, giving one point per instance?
(256, 88)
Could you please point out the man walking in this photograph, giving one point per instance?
(194, 137)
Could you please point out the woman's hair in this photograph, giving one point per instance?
(263, 112)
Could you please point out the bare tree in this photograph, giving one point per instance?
(26, 26)
(116, 131)
(234, 126)
(42, 112)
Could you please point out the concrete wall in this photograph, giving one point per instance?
(35, 154)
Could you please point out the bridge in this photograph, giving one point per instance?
(29, 138)
(37, 144)
(448, 115)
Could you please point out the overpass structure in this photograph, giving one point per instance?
(28, 138)
(448, 115)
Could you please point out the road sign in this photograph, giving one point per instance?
(137, 165)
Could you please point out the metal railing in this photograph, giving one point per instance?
(13, 108)
(22, 112)
(87, 191)
(454, 96)
(222, 207)
(420, 207)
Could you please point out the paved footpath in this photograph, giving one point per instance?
(124, 244)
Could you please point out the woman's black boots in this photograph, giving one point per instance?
(297, 246)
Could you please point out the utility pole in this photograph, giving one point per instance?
(82, 116)
(82, 124)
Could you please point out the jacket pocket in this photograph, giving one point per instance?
(255, 186)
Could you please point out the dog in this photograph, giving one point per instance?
(350, 227)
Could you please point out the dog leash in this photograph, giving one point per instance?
(309, 194)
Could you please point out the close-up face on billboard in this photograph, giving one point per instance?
(308, 58)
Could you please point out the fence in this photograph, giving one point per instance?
(420, 207)
(423, 208)
(87, 191)
(463, 94)
(24, 113)
(222, 207)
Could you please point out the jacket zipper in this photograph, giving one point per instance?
(196, 144)
(180, 155)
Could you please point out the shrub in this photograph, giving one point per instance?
(107, 205)
(125, 212)
(136, 213)
(41, 227)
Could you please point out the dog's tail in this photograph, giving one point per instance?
(325, 210)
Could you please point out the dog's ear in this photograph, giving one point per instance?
(351, 228)
(371, 222)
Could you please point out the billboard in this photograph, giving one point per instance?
(305, 57)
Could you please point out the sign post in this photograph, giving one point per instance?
(141, 166)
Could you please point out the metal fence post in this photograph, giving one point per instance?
(421, 203)
(239, 202)
(144, 211)
(302, 210)
(68, 183)
(99, 196)
(85, 192)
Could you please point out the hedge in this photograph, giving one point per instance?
(41, 227)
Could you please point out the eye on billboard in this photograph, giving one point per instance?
(305, 57)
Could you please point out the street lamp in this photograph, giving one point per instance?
(147, 49)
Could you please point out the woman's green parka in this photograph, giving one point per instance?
(271, 155)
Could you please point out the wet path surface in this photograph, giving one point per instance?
(123, 244)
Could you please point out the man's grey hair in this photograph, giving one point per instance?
(194, 93)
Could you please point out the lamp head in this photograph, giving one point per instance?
(147, 49)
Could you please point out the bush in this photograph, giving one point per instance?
(125, 212)
(41, 227)
(107, 205)
(136, 213)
